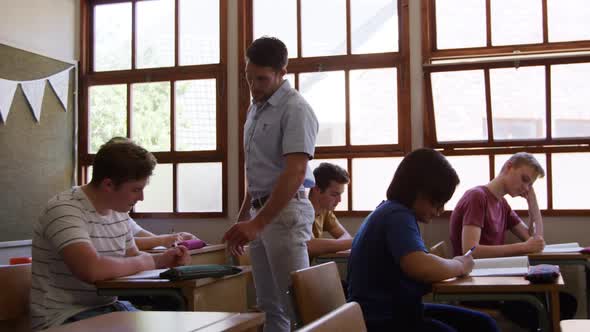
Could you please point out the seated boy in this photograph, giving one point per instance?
(146, 240)
(83, 237)
(330, 180)
(389, 269)
(482, 217)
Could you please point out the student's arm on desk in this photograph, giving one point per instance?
(341, 241)
(430, 268)
(471, 235)
(87, 265)
(535, 226)
(287, 185)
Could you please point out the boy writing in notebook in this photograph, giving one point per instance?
(482, 217)
(330, 180)
(390, 270)
(83, 237)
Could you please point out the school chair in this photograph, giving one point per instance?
(14, 298)
(440, 250)
(346, 318)
(316, 291)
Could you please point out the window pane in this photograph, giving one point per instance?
(199, 32)
(88, 174)
(112, 37)
(519, 203)
(570, 180)
(518, 102)
(343, 205)
(151, 115)
(459, 105)
(267, 21)
(569, 100)
(568, 20)
(468, 31)
(157, 195)
(155, 33)
(473, 171)
(516, 22)
(107, 114)
(291, 79)
(371, 177)
(196, 121)
(373, 120)
(200, 187)
(325, 93)
(323, 27)
(374, 26)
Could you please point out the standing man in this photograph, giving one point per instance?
(276, 216)
(330, 180)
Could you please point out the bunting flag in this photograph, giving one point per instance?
(7, 89)
(60, 84)
(34, 92)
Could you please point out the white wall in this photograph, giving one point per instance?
(46, 27)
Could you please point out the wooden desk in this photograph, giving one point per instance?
(210, 254)
(206, 294)
(575, 325)
(503, 288)
(157, 321)
(566, 258)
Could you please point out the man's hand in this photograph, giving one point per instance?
(240, 234)
(534, 244)
(467, 263)
(172, 257)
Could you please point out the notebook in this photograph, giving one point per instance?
(563, 247)
(503, 266)
(148, 274)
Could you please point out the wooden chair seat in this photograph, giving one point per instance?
(346, 318)
(316, 291)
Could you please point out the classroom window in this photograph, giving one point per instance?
(507, 76)
(154, 71)
(350, 60)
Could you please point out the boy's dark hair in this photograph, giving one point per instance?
(268, 52)
(423, 172)
(326, 172)
(121, 160)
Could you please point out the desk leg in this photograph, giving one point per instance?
(555, 310)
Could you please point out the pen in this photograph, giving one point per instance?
(470, 251)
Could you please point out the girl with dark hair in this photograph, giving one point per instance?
(390, 269)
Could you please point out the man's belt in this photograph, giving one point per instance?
(257, 203)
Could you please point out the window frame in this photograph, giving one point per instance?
(490, 57)
(218, 71)
(399, 60)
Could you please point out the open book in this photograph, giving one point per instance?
(563, 247)
(504, 266)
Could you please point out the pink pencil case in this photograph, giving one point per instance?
(193, 244)
(585, 250)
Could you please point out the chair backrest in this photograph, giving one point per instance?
(316, 291)
(440, 250)
(346, 318)
(15, 281)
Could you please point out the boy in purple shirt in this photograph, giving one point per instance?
(482, 217)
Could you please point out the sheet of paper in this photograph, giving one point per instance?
(563, 247)
(505, 271)
(149, 274)
(503, 266)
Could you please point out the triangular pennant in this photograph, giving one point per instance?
(60, 83)
(7, 89)
(33, 91)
